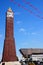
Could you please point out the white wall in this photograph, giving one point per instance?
(37, 57)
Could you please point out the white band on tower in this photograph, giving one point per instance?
(9, 13)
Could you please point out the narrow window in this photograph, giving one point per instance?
(3, 63)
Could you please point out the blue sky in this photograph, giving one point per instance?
(28, 28)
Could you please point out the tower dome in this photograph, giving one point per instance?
(9, 10)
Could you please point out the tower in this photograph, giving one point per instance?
(9, 50)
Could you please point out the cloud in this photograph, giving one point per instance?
(22, 30)
(24, 44)
(0, 35)
(26, 32)
(18, 22)
(17, 13)
(33, 33)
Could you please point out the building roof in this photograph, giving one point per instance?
(27, 52)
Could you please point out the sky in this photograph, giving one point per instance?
(28, 23)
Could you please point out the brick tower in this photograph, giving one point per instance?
(9, 51)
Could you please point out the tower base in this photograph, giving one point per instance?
(9, 51)
(11, 63)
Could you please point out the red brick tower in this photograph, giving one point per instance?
(9, 51)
